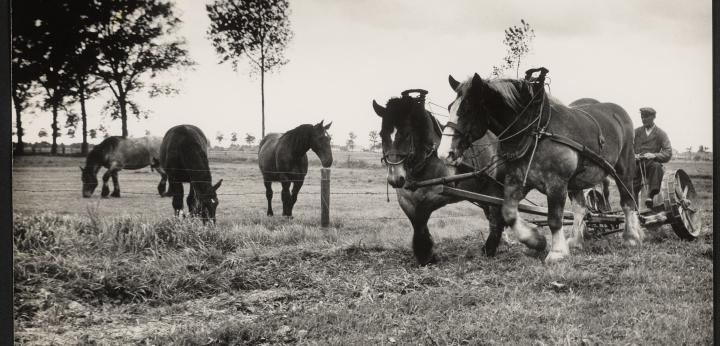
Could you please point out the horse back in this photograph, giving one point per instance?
(184, 153)
(276, 161)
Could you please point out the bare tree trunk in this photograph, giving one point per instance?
(123, 115)
(262, 89)
(83, 114)
(53, 149)
(20, 147)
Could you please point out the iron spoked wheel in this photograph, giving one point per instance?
(686, 216)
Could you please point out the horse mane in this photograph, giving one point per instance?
(298, 137)
(405, 109)
(510, 90)
(96, 155)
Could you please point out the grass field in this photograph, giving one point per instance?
(123, 271)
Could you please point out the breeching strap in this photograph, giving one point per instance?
(588, 153)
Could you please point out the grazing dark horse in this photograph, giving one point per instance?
(410, 136)
(116, 153)
(184, 158)
(283, 158)
(539, 139)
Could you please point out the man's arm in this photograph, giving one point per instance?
(665, 149)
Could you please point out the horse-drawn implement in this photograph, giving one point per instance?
(672, 206)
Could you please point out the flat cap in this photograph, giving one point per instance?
(647, 111)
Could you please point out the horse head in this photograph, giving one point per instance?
(320, 143)
(409, 136)
(481, 105)
(206, 201)
(89, 180)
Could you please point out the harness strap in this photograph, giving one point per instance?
(592, 156)
(601, 138)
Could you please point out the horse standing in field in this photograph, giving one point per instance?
(117, 153)
(283, 158)
(547, 146)
(410, 135)
(184, 158)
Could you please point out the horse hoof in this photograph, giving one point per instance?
(575, 244)
(537, 242)
(270, 213)
(631, 242)
(432, 259)
(116, 195)
(554, 257)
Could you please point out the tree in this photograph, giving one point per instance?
(702, 149)
(54, 46)
(517, 40)
(92, 133)
(233, 138)
(25, 64)
(249, 139)
(256, 30)
(351, 141)
(219, 136)
(42, 133)
(373, 136)
(136, 42)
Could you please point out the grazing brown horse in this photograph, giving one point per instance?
(184, 158)
(283, 158)
(410, 136)
(547, 146)
(117, 153)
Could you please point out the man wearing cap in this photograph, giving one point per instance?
(652, 149)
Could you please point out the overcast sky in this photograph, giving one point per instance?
(346, 53)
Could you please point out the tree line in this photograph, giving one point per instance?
(66, 52)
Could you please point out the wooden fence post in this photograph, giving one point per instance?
(325, 197)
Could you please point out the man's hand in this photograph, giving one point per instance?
(645, 156)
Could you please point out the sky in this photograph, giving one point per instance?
(345, 53)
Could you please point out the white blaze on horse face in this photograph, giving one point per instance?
(448, 135)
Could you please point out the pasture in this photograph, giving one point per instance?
(124, 271)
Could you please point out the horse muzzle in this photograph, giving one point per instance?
(396, 176)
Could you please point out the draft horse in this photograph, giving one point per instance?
(116, 153)
(410, 136)
(547, 146)
(184, 158)
(283, 158)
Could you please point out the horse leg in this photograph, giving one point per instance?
(633, 233)
(556, 196)
(116, 184)
(286, 198)
(295, 190)
(162, 185)
(497, 226)
(527, 234)
(105, 189)
(269, 194)
(176, 191)
(192, 207)
(579, 210)
(422, 242)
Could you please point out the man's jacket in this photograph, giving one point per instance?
(657, 143)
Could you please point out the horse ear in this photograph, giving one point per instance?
(217, 186)
(379, 110)
(453, 83)
(477, 83)
(328, 125)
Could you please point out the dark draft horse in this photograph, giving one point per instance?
(410, 136)
(283, 158)
(527, 121)
(184, 158)
(117, 153)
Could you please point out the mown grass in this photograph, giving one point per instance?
(122, 271)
